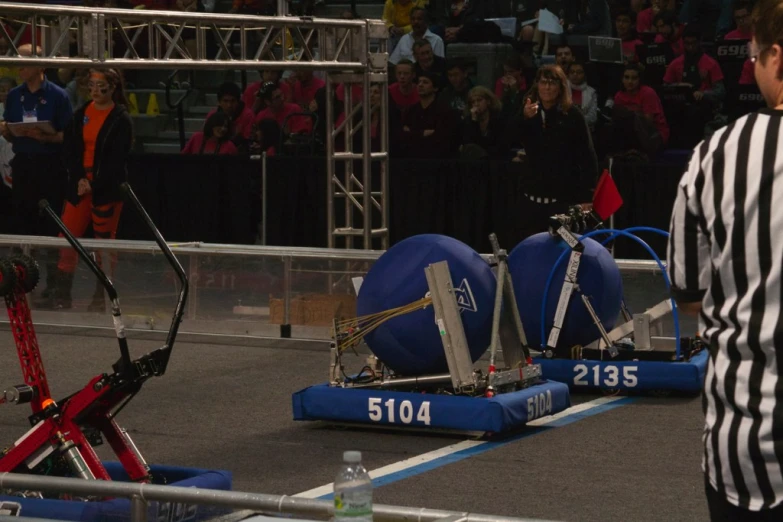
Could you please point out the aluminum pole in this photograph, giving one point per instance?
(233, 499)
(367, 154)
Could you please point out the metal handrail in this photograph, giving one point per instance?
(141, 494)
(199, 248)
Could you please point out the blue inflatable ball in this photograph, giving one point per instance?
(599, 278)
(411, 344)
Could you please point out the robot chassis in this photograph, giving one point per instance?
(65, 432)
(632, 346)
(634, 356)
(518, 373)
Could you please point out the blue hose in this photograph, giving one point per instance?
(615, 233)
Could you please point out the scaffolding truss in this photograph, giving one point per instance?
(352, 53)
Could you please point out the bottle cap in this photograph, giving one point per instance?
(352, 456)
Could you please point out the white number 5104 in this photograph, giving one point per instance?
(610, 377)
(404, 413)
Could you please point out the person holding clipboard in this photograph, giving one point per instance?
(36, 113)
(97, 144)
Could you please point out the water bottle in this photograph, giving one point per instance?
(352, 490)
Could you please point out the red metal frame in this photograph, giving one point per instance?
(27, 346)
(93, 406)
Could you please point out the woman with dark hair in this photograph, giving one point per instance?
(96, 146)
(563, 168)
(215, 139)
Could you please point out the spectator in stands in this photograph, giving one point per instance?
(38, 171)
(277, 109)
(513, 80)
(669, 31)
(78, 88)
(404, 92)
(564, 56)
(305, 87)
(250, 96)
(638, 120)
(455, 95)
(427, 128)
(582, 95)
(748, 76)
(484, 131)
(419, 31)
(265, 136)
(96, 147)
(558, 146)
(6, 84)
(593, 19)
(255, 7)
(471, 15)
(215, 139)
(375, 123)
(428, 62)
(240, 117)
(644, 18)
(696, 69)
(623, 23)
(397, 16)
(743, 21)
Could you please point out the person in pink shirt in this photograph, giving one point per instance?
(240, 117)
(645, 19)
(642, 101)
(251, 92)
(278, 109)
(748, 76)
(696, 69)
(623, 25)
(403, 92)
(214, 139)
(669, 31)
(743, 21)
(305, 87)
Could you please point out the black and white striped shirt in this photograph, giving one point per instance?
(726, 250)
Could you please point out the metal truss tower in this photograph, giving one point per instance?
(352, 53)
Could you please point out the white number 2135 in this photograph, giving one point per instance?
(608, 375)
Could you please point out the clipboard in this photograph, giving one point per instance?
(19, 128)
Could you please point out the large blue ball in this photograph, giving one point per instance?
(411, 344)
(530, 264)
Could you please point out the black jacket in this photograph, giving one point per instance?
(110, 165)
(561, 156)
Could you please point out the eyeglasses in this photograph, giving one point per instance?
(548, 82)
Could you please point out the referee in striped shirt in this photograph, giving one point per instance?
(725, 259)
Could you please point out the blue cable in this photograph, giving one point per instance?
(615, 233)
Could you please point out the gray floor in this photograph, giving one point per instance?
(229, 407)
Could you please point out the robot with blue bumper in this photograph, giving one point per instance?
(428, 309)
(574, 300)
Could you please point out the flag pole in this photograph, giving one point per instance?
(611, 218)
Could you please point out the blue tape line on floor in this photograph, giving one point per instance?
(491, 445)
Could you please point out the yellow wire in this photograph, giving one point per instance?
(368, 323)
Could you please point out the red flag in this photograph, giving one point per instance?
(606, 199)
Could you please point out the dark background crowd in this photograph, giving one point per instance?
(665, 74)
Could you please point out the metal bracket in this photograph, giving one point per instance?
(652, 317)
(449, 322)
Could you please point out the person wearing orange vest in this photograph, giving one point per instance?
(96, 149)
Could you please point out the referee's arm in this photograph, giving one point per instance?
(688, 255)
